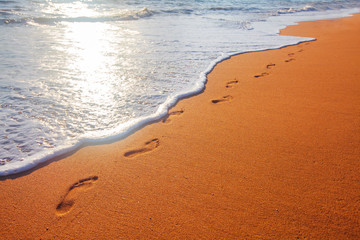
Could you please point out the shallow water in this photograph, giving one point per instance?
(79, 71)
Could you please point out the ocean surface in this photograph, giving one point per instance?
(88, 71)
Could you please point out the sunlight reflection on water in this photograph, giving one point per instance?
(91, 55)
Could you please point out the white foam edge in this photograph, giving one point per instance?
(126, 129)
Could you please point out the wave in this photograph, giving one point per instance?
(134, 15)
(233, 9)
(185, 11)
(6, 2)
(8, 16)
(320, 6)
(307, 8)
(188, 11)
(125, 16)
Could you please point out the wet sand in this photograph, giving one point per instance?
(270, 150)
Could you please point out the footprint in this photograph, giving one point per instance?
(291, 54)
(167, 118)
(231, 83)
(68, 201)
(223, 99)
(289, 60)
(301, 50)
(261, 75)
(149, 146)
(270, 65)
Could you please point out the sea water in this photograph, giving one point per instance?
(77, 72)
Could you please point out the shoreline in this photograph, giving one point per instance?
(250, 157)
(138, 126)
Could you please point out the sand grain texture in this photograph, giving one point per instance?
(278, 161)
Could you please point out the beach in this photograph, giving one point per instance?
(269, 150)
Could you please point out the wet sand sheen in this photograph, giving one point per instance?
(270, 150)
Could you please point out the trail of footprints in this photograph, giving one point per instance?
(291, 57)
(226, 98)
(154, 143)
(68, 201)
(263, 74)
(269, 66)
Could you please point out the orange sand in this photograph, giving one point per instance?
(277, 158)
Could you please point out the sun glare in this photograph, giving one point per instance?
(91, 57)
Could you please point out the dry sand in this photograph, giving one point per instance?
(270, 150)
